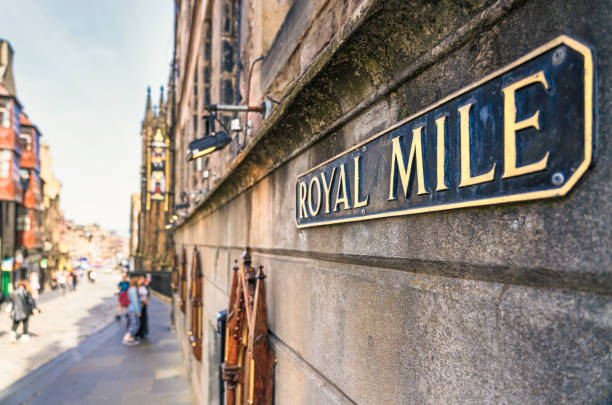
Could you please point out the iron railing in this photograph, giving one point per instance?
(160, 281)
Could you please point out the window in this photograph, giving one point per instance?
(5, 163)
(227, 94)
(5, 113)
(26, 138)
(206, 73)
(23, 223)
(227, 60)
(228, 17)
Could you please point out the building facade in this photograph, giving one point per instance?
(393, 277)
(11, 189)
(30, 212)
(53, 226)
(21, 185)
(156, 189)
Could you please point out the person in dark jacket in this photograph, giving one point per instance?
(23, 306)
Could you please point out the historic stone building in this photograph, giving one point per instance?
(429, 197)
(156, 188)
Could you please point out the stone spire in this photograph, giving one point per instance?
(148, 106)
(162, 105)
(148, 109)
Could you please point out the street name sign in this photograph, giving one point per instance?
(521, 133)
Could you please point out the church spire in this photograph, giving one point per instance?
(148, 107)
(162, 107)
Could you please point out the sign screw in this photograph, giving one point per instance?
(363, 148)
(363, 211)
(559, 56)
(557, 179)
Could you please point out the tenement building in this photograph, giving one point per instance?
(424, 188)
(21, 187)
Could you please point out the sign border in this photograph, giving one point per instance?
(589, 113)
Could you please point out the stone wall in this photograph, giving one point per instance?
(500, 304)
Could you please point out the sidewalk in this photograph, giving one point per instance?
(101, 370)
(65, 321)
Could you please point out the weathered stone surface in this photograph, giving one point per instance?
(503, 304)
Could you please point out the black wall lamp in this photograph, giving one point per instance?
(213, 140)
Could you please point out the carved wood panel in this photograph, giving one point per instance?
(249, 359)
(195, 294)
(183, 283)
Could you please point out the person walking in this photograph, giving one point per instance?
(122, 286)
(62, 279)
(133, 314)
(92, 276)
(23, 306)
(75, 279)
(34, 284)
(143, 295)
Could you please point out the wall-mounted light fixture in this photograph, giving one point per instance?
(182, 206)
(211, 142)
(214, 140)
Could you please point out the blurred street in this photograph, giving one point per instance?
(97, 369)
(64, 322)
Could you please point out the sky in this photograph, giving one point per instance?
(81, 70)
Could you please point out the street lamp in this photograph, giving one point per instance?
(213, 140)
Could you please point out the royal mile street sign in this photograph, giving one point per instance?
(524, 132)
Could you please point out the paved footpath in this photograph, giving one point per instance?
(100, 370)
(65, 321)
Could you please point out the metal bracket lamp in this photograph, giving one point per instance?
(214, 141)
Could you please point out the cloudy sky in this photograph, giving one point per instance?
(81, 70)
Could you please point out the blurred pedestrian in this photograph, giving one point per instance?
(133, 313)
(34, 284)
(92, 276)
(23, 306)
(143, 296)
(123, 299)
(62, 279)
(75, 279)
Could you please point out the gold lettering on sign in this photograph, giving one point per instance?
(342, 187)
(357, 202)
(398, 161)
(466, 171)
(440, 124)
(303, 196)
(511, 127)
(313, 181)
(327, 187)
